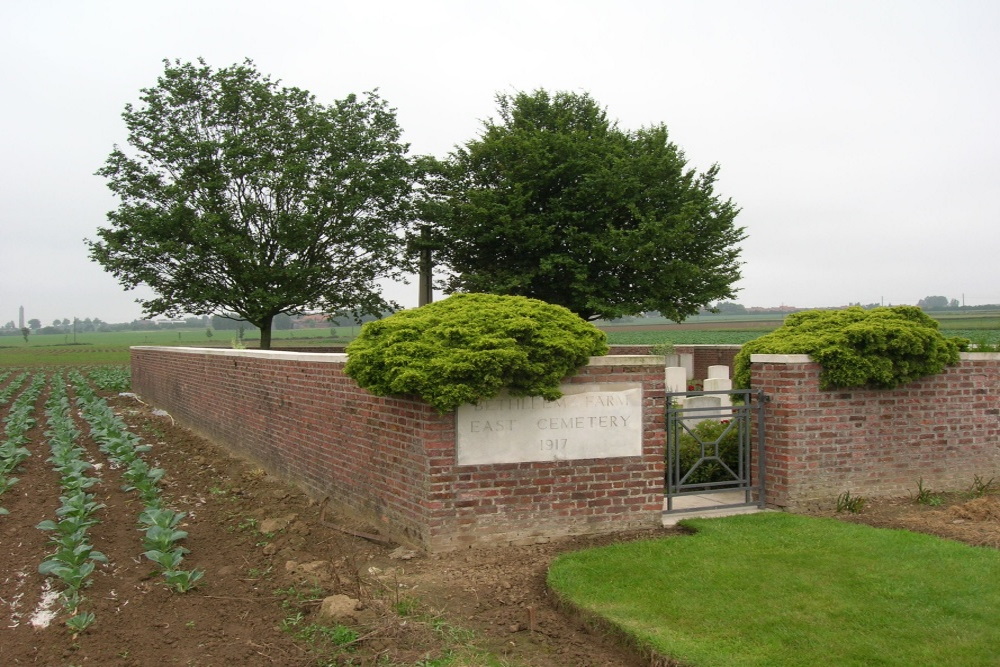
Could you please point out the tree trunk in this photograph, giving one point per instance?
(265, 332)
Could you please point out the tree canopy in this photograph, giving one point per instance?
(937, 303)
(240, 195)
(553, 201)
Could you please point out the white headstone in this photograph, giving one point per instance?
(672, 359)
(687, 361)
(720, 384)
(677, 378)
(695, 416)
(718, 372)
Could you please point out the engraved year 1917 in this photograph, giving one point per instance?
(552, 444)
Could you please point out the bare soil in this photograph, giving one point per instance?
(271, 555)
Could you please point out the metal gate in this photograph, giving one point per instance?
(711, 444)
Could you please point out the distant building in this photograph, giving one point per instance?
(314, 321)
(20, 318)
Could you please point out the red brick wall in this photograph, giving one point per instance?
(392, 460)
(943, 429)
(537, 500)
(301, 418)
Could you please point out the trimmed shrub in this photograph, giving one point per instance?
(881, 348)
(469, 347)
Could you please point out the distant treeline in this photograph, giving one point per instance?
(215, 322)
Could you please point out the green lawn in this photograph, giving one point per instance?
(778, 589)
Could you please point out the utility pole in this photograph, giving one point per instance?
(426, 267)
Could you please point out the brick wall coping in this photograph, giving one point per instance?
(728, 346)
(608, 360)
(979, 356)
(338, 358)
(780, 359)
(323, 357)
(627, 360)
(805, 358)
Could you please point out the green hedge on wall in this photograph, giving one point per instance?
(881, 347)
(469, 347)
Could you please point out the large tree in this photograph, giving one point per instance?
(935, 303)
(553, 201)
(240, 195)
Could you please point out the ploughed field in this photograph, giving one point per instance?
(115, 554)
(79, 584)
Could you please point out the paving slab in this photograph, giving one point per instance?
(706, 505)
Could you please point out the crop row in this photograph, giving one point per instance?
(11, 388)
(73, 557)
(124, 449)
(111, 378)
(17, 423)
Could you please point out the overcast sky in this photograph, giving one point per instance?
(860, 138)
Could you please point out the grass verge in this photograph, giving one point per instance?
(779, 589)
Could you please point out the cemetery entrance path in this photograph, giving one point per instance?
(270, 556)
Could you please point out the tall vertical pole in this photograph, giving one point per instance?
(426, 285)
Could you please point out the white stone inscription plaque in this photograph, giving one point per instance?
(589, 421)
